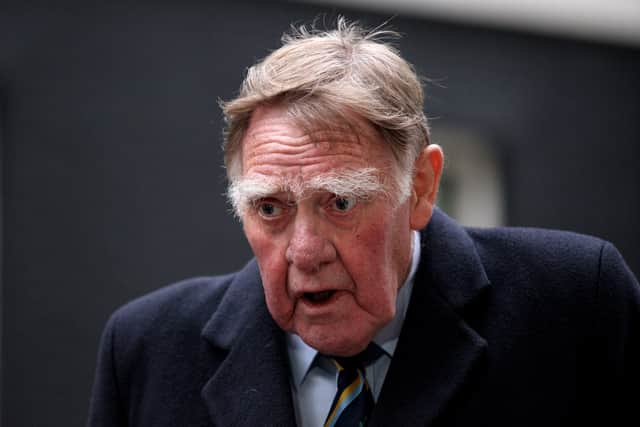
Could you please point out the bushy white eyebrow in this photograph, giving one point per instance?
(362, 184)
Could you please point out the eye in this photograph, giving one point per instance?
(343, 204)
(269, 209)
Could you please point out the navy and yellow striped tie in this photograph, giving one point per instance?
(353, 402)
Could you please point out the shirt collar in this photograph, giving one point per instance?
(301, 355)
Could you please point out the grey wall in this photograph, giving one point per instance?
(112, 184)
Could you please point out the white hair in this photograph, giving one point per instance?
(362, 184)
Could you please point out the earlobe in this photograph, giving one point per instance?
(426, 180)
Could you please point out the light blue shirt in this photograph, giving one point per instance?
(314, 379)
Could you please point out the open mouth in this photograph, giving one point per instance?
(318, 297)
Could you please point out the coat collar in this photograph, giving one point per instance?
(437, 349)
(251, 386)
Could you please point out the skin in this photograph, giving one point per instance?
(353, 255)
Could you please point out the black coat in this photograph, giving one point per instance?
(506, 327)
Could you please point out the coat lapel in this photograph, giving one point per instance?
(251, 386)
(437, 349)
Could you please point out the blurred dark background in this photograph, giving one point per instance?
(112, 184)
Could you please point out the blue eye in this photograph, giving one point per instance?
(269, 209)
(344, 204)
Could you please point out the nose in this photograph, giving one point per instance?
(309, 249)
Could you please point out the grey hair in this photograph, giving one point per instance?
(324, 76)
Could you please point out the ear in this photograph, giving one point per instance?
(426, 180)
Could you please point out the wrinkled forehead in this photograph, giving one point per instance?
(271, 137)
(336, 125)
(280, 140)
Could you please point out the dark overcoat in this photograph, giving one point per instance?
(506, 327)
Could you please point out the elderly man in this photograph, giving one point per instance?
(365, 304)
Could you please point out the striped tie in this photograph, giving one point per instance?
(353, 401)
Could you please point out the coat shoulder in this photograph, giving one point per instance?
(178, 310)
(183, 298)
(539, 251)
(553, 262)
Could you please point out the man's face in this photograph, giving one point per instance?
(331, 258)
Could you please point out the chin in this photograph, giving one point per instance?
(340, 347)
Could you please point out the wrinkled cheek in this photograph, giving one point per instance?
(380, 296)
(278, 301)
(282, 312)
(387, 312)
